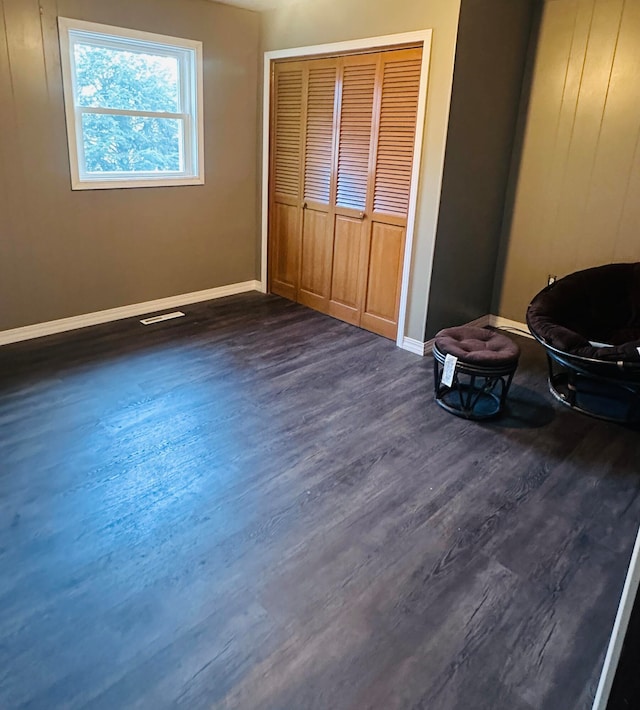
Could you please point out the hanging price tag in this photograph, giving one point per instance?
(449, 370)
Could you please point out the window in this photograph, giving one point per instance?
(134, 107)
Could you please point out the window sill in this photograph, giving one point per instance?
(142, 182)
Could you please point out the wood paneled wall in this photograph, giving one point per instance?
(576, 185)
(64, 253)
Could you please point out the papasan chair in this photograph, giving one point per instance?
(589, 325)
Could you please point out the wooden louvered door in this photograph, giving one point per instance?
(286, 178)
(352, 167)
(317, 212)
(343, 132)
(392, 160)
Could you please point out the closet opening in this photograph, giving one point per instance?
(344, 131)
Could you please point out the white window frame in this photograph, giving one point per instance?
(189, 56)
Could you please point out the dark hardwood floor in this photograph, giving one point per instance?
(258, 506)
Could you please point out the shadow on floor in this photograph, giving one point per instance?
(526, 409)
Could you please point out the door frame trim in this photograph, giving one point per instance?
(370, 43)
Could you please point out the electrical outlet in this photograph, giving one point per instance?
(551, 279)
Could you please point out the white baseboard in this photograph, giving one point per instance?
(481, 322)
(510, 325)
(62, 325)
(419, 348)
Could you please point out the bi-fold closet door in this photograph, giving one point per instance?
(343, 133)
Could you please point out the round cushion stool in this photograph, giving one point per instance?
(485, 362)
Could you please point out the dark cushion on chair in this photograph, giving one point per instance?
(599, 305)
(478, 346)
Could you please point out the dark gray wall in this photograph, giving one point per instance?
(491, 54)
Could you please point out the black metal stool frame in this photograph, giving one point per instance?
(470, 394)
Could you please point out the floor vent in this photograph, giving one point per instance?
(164, 316)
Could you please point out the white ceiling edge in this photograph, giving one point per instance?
(258, 5)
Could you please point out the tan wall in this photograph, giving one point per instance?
(63, 253)
(324, 21)
(576, 201)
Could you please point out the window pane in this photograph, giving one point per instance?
(116, 78)
(132, 143)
